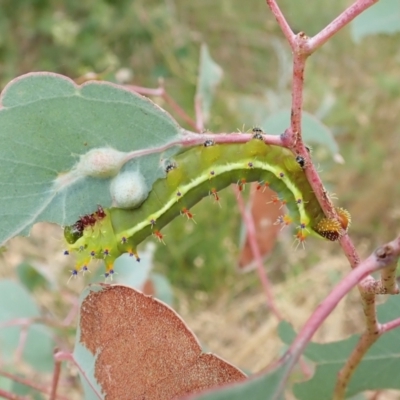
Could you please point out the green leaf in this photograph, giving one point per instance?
(210, 75)
(31, 276)
(17, 304)
(46, 123)
(375, 372)
(23, 390)
(314, 131)
(162, 288)
(86, 362)
(383, 17)
(261, 387)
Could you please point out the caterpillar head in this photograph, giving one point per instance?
(74, 232)
(331, 228)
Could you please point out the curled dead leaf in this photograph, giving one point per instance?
(144, 350)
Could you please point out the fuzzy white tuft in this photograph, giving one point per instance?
(129, 189)
(100, 163)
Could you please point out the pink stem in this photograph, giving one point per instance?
(23, 336)
(11, 396)
(251, 234)
(287, 31)
(29, 383)
(146, 91)
(67, 356)
(193, 139)
(199, 113)
(390, 325)
(342, 20)
(180, 111)
(299, 61)
(56, 377)
(188, 139)
(383, 256)
(161, 92)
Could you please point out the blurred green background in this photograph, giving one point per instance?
(352, 87)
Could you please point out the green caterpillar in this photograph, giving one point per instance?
(196, 173)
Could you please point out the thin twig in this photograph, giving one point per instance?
(67, 356)
(11, 396)
(287, 31)
(341, 21)
(23, 336)
(161, 92)
(180, 111)
(381, 258)
(199, 113)
(364, 344)
(187, 139)
(388, 279)
(387, 255)
(56, 376)
(390, 325)
(29, 383)
(251, 234)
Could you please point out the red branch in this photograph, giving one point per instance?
(381, 258)
(342, 20)
(251, 234)
(287, 31)
(11, 396)
(161, 92)
(67, 356)
(29, 383)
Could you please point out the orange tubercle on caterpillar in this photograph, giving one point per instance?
(274, 200)
(215, 194)
(300, 237)
(188, 214)
(241, 184)
(262, 186)
(277, 200)
(159, 236)
(284, 220)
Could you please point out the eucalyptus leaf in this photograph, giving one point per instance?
(48, 123)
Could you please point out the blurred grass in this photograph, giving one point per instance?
(154, 38)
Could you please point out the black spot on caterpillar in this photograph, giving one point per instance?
(300, 160)
(257, 133)
(169, 167)
(209, 143)
(196, 173)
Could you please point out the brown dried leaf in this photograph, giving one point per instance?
(144, 349)
(264, 213)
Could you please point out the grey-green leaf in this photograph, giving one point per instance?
(313, 130)
(376, 371)
(46, 123)
(18, 304)
(382, 17)
(262, 387)
(210, 75)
